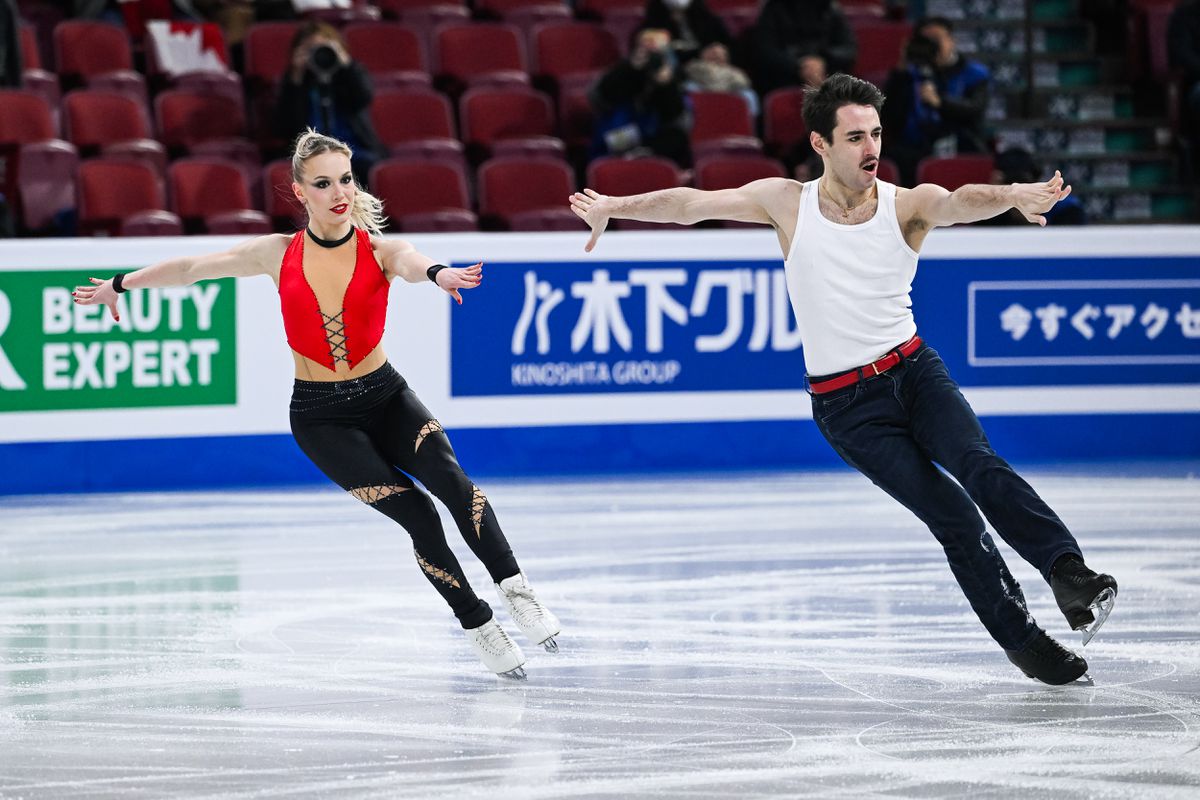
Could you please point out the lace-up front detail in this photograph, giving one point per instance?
(335, 334)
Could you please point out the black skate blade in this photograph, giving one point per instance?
(1101, 606)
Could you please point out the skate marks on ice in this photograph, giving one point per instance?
(777, 635)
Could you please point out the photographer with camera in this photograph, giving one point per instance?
(639, 103)
(936, 102)
(327, 90)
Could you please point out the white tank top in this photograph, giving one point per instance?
(849, 284)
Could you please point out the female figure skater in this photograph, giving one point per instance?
(351, 412)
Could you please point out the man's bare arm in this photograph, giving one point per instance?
(933, 206)
(761, 201)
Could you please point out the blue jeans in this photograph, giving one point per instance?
(895, 428)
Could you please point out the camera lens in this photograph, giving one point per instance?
(324, 59)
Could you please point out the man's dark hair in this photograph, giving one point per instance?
(821, 103)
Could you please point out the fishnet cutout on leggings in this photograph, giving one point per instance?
(335, 335)
(436, 572)
(433, 426)
(373, 494)
(478, 503)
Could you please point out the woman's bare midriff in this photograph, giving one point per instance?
(309, 370)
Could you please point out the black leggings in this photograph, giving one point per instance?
(369, 435)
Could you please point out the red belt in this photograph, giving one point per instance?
(868, 371)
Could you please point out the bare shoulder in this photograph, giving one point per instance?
(912, 205)
(779, 196)
(388, 245)
(262, 254)
(262, 247)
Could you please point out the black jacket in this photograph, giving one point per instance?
(350, 90)
(789, 29)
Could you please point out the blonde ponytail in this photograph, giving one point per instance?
(367, 211)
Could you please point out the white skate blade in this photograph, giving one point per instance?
(517, 674)
(550, 645)
(1100, 607)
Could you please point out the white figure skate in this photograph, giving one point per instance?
(498, 652)
(533, 618)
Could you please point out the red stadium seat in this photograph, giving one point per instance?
(268, 52)
(419, 187)
(46, 181)
(109, 191)
(573, 47)
(386, 47)
(730, 172)
(26, 118)
(202, 187)
(491, 114)
(225, 84)
(95, 118)
(501, 9)
(186, 117)
(123, 81)
(83, 48)
(144, 151)
(286, 212)
(239, 222)
(31, 56)
(951, 172)
(465, 53)
(784, 132)
(151, 223)
(404, 116)
(888, 171)
(880, 46)
(509, 186)
(445, 221)
(719, 114)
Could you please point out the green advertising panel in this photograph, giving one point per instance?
(171, 347)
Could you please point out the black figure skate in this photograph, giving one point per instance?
(1047, 661)
(1085, 598)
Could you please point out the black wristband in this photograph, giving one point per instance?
(117, 280)
(434, 270)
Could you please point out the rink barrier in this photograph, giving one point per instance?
(660, 351)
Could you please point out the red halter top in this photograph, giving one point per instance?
(354, 331)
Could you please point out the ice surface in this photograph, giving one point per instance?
(773, 635)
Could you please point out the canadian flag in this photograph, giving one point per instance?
(181, 47)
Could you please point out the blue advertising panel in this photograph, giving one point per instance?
(609, 327)
(1062, 321)
(614, 327)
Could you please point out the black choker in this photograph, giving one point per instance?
(330, 242)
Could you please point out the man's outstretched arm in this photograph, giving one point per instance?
(757, 201)
(935, 206)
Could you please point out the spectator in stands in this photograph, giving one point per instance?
(639, 103)
(1016, 165)
(693, 26)
(800, 43)
(330, 92)
(1183, 53)
(701, 43)
(936, 101)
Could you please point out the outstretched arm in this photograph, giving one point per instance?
(934, 206)
(249, 258)
(759, 201)
(400, 259)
